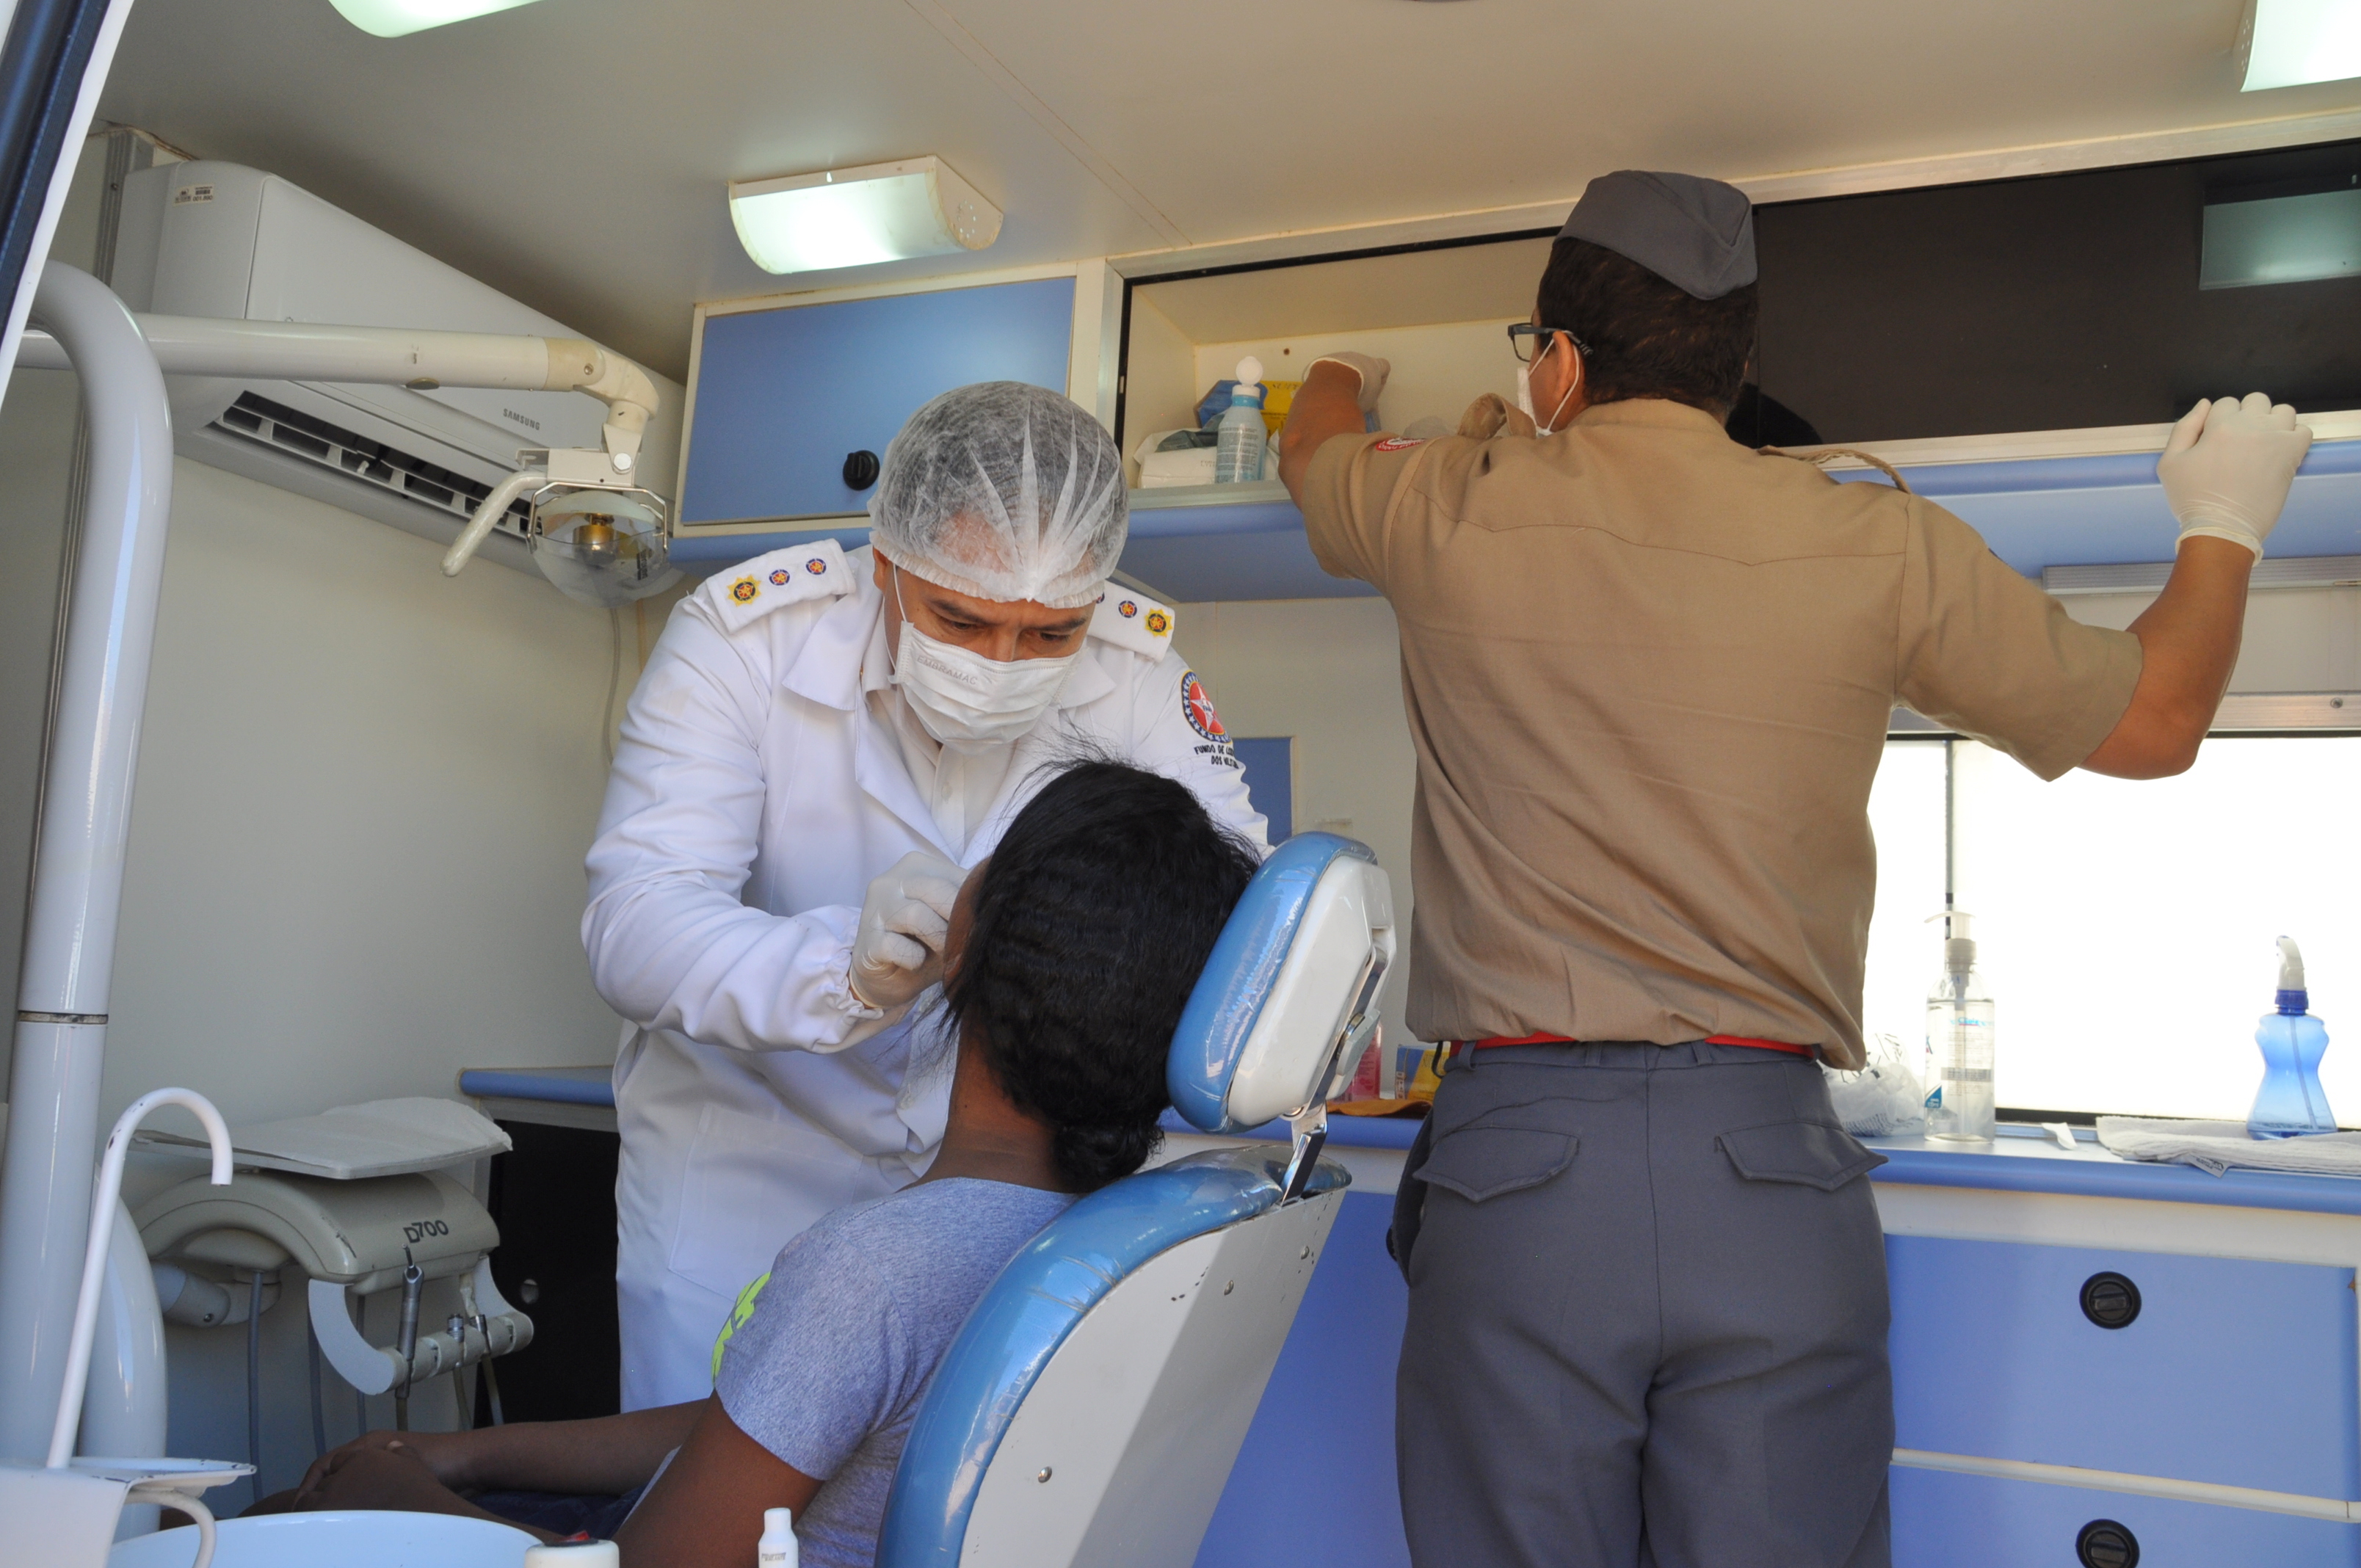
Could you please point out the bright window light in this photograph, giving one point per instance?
(2290, 43)
(2128, 929)
(392, 18)
(852, 217)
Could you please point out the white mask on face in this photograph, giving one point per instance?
(1525, 397)
(965, 698)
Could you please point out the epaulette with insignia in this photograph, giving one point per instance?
(754, 589)
(1132, 620)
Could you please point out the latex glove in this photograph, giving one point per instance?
(1372, 371)
(898, 950)
(2227, 467)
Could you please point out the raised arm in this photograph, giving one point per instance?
(2225, 471)
(1339, 390)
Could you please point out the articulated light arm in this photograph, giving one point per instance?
(304, 351)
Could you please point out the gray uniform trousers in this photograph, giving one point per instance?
(1647, 1316)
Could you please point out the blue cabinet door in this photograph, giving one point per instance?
(2234, 1372)
(782, 396)
(1946, 1521)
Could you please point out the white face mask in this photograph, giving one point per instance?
(1525, 397)
(962, 697)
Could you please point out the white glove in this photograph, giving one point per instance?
(905, 917)
(2226, 469)
(1372, 371)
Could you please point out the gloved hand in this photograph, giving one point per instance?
(1372, 371)
(2227, 467)
(898, 950)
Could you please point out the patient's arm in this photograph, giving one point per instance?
(706, 1509)
(607, 1454)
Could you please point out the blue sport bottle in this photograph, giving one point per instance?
(2291, 1102)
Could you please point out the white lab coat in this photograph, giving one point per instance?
(753, 798)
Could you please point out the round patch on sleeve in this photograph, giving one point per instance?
(1197, 704)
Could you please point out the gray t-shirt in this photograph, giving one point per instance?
(827, 1372)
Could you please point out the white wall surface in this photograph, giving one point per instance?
(355, 863)
(364, 795)
(1328, 673)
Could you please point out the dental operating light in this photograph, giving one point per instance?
(851, 217)
(2288, 43)
(394, 18)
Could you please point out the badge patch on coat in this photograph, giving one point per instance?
(815, 565)
(779, 579)
(1159, 623)
(1127, 608)
(1197, 704)
(745, 589)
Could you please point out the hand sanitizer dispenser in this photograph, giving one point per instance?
(1960, 1022)
(2291, 1102)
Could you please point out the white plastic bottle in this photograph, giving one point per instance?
(1960, 1022)
(777, 1548)
(1238, 459)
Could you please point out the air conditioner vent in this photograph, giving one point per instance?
(257, 418)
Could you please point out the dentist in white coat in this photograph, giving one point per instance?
(820, 743)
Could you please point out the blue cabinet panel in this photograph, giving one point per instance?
(1270, 764)
(2235, 1372)
(1943, 1521)
(1313, 1486)
(782, 396)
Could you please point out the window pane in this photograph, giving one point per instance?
(2127, 927)
(1905, 812)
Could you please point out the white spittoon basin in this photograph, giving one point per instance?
(333, 1540)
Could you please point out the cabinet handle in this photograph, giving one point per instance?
(859, 470)
(2109, 1300)
(2104, 1543)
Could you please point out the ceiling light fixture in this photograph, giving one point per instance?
(393, 18)
(851, 217)
(2287, 43)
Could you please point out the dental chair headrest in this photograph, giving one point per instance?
(1287, 1001)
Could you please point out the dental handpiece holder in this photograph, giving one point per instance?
(349, 1238)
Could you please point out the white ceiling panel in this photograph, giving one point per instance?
(573, 152)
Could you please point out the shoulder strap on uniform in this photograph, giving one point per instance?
(756, 587)
(1132, 620)
(1821, 457)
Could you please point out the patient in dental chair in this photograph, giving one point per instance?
(1072, 953)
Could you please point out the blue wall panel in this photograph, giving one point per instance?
(1313, 1486)
(2235, 1372)
(782, 396)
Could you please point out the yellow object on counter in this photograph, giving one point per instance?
(1277, 398)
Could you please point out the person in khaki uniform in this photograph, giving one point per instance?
(1649, 675)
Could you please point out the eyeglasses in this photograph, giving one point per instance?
(1529, 342)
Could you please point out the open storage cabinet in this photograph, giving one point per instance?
(1151, 337)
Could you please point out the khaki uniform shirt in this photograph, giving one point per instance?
(1649, 675)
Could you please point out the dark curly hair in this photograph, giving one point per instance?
(1647, 338)
(1086, 934)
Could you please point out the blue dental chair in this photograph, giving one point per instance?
(1089, 1412)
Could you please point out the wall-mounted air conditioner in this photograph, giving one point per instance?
(222, 240)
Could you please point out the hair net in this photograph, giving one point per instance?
(1004, 492)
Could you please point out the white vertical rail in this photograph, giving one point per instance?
(60, 1030)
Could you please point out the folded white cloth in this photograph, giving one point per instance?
(2217, 1146)
(378, 1137)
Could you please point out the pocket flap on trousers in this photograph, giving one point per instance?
(1808, 1154)
(1479, 1161)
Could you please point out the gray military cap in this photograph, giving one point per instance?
(1695, 234)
